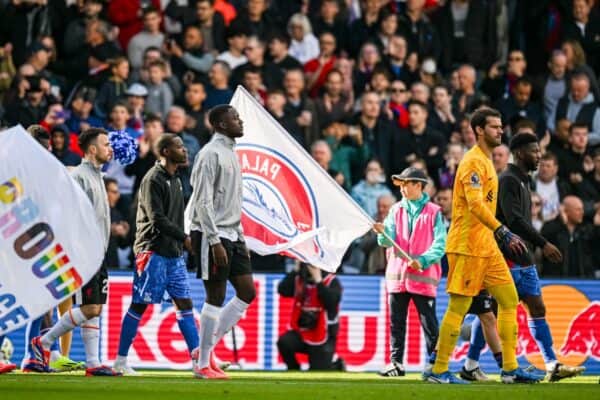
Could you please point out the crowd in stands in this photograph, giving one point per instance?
(367, 87)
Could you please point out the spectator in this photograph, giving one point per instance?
(255, 52)
(467, 98)
(429, 74)
(300, 108)
(214, 15)
(443, 198)
(559, 142)
(80, 117)
(304, 46)
(314, 321)
(236, 46)
(114, 88)
(275, 105)
(575, 240)
(252, 82)
(136, 96)
(396, 61)
(119, 228)
(143, 76)
(153, 129)
(468, 33)
(256, 18)
(25, 21)
(500, 158)
(377, 131)
(551, 189)
(365, 27)
(499, 83)
(367, 60)
(441, 117)
(370, 188)
(388, 26)
(59, 139)
(150, 36)
(421, 35)
(536, 211)
(581, 106)
(519, 105)
(7, 69)
(99, 58)
(334, 105)
(419, 141)
(399, 97)
(576, 62)
(371, 257)
(380, 84)
(466, 136)
(348, 150)
(345, 66)
(118, 120)
(575, 163)
(420, 92)
(321, 153)
(212, 26)
(279, 52)
(555, 87)
(31, 107)
(176, 124)
(316, 70)
(128, 16)
(75, 44)
(191, 56)
(454, 153)
(194, 97)
(160, 96)
(329, 19)
(218, 92)
(40, 135)
(585, 28)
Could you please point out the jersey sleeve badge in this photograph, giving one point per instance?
(475, 180)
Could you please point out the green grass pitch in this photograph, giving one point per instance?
(167, 385)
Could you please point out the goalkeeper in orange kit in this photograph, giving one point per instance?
(474, 257)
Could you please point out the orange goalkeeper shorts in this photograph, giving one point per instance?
(467, 275)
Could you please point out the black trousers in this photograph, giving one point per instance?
(398, 313)
(319, 357)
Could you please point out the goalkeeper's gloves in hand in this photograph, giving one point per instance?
(509, 241)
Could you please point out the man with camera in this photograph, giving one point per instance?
(314, 323)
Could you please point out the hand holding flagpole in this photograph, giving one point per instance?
(378, 227)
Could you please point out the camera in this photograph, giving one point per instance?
(308, 319)
(34, 83)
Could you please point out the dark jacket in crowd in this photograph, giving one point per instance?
(577, 247)
(407, 143)
(478, 47)
(422, 37)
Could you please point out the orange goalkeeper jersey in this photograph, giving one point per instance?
(474, 201)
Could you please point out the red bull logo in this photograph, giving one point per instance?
(364, 334)
(574, 322)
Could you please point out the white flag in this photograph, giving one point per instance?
(50, 244)
(290, 204)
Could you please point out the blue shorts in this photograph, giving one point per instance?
(526, 280)
(156, 275)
